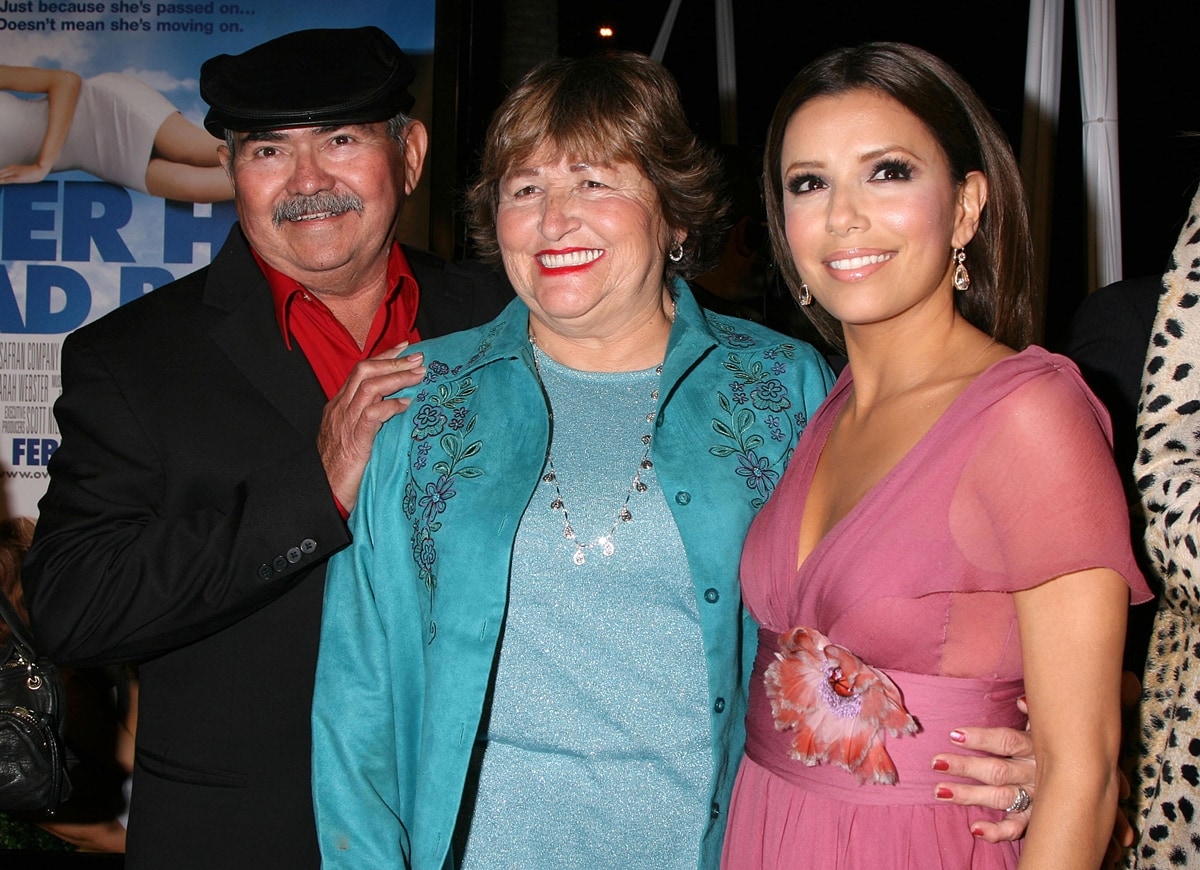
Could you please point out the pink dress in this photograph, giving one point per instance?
(1013, 485)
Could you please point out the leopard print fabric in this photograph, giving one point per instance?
(1165, 784)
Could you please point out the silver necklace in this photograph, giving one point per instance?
(605, 542)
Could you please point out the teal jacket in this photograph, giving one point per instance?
(414, 607)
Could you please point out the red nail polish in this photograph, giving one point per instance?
(975, 832)
(958, 736)
(943, 793)
(941, 764)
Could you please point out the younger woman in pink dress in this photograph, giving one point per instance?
(951, 533)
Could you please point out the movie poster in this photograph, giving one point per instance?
(136, 198)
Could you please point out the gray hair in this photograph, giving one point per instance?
(396, 125)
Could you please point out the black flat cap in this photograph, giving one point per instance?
(309, 78)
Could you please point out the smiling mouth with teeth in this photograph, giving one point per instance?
(859, 262)
(569, 259)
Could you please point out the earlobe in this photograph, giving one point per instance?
(675, 251)
(972, 197)
(225, 158)
(416, 143)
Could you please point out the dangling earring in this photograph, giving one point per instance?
(805, 297)
(676, 253)
(962, 278)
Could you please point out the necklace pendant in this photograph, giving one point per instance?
(604, 543)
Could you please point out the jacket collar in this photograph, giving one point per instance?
(249, 336)
(692, 337)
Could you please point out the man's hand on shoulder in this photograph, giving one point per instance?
(353, 417)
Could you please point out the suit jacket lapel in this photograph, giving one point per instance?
(249, 336)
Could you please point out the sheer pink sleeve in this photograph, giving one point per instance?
(1041, 496)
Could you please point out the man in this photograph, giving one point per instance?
(213, 437)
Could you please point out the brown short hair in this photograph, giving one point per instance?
(1000, 257)
(16, 533)
(618, 107)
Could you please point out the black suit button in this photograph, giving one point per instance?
(279, 564)
(264, 572)
(293, 555)
(308, 545)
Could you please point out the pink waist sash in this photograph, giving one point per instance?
(939, 704)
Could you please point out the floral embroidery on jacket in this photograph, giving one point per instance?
(839, 708)
(757, 389)
(443, 417)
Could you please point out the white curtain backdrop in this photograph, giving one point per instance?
(1097, 29)
(726, 62)
(1043, 81)
(1096, 26)
(664, 32)
(726, 72)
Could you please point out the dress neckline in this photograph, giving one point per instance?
(824, 424)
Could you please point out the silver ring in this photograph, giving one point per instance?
(1020, 803)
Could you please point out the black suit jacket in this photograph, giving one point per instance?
(186, 526)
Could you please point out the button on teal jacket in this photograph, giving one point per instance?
(414, 607)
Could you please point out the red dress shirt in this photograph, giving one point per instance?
(327, 345)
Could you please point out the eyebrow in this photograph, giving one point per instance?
(281, 135)
(876, 153)
(523, 172)
(535, 171)
(866, 157)
(263, 136)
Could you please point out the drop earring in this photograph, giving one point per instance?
(805, 297)
(962, 278)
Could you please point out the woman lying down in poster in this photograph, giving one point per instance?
(113, 126)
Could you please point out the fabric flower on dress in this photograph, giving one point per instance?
(839, 708)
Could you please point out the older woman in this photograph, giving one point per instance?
(952, 531)
(537, 635)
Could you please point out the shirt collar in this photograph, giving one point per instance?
(284, 288)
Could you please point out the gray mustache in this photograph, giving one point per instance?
(298, 206)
